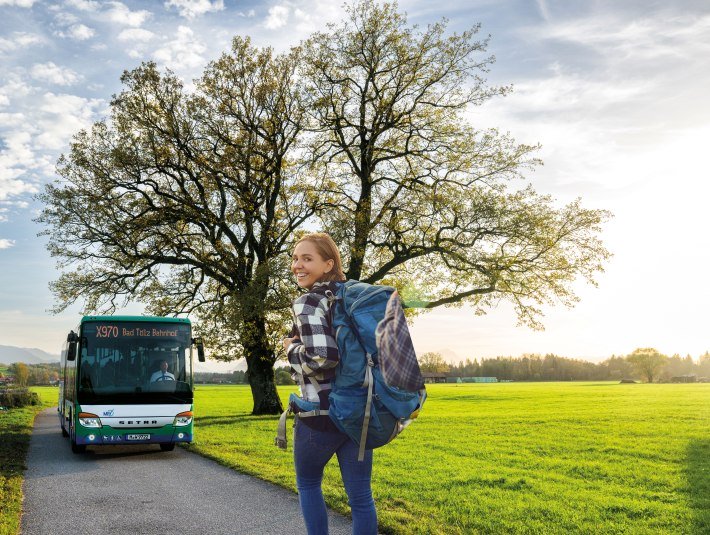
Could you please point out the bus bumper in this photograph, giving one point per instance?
(109, 436)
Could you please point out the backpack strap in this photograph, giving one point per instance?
(369, 383)
(302, 378)
(281, 441)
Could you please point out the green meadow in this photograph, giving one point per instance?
(15, 432)
(510, 458)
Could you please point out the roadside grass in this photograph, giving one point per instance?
(15, 432)
(509, 458)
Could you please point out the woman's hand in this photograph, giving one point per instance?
(289, 341)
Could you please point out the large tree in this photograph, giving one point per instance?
(418, 196)
(433, 363)
(188, 202)
(648, 362)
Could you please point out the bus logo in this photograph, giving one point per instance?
(108, 413)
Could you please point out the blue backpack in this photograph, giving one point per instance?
(362, 405)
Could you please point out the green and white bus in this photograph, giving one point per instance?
(128, 380)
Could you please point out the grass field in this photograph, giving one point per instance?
(15, 431)
(510, 458)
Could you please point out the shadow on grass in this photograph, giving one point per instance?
(698, 472)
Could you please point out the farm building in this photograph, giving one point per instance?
(469, 379)
(430, 377)
(479, 379)
(684, 379)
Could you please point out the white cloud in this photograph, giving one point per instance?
(39, 127)
(5, 243)
(278, 17)
(83, 5)
(62, 116)
(18, 3)
(136, 34)
(302, 18)
(4, 100)
(80, 32)
(72, 28)
(65, 19)
(49, 72)
(656, 35)
(19, 40)
(184, 52)
(15, 86)
(119, 13)
(191, 9)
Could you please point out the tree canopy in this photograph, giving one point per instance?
(648, 362)
(414, 187)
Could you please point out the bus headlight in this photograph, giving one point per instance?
(87, 419)
(184, 418)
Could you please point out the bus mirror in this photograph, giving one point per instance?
(72, 337)
(200, 349)
(71, 351)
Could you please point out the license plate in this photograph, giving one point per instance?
(138, 437)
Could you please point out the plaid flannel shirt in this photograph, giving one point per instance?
(316, 352)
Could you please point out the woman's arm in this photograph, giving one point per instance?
(315, 349)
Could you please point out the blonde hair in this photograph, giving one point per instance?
(328, 251)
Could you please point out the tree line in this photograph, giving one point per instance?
(645, 364)
(32, 374)
(282, 376)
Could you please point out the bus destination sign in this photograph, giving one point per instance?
(116, 331)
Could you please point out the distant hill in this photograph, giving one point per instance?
(10, 354)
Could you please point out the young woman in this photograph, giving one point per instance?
(312, 352)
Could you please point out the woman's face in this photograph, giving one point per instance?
(308, 265)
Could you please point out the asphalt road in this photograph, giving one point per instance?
(142, 490)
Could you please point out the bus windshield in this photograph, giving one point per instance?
(135, 362)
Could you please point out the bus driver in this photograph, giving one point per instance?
(162, 374)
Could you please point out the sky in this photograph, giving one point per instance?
(615, 93)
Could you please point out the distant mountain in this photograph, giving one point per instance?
(10, 354)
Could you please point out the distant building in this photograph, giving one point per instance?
(430, 377)
(684, 379)
(479, 379)
(466, 379)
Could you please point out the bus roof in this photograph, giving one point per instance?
(147, 319)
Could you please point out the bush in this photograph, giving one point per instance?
(17, 397)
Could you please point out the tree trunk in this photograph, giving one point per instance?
(260, 369)
(362, 231)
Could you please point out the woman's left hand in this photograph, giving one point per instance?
(289, 341)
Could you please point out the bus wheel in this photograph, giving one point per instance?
(64, 432)
(76, 448)
(167, 446)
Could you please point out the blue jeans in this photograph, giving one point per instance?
(312, 450)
